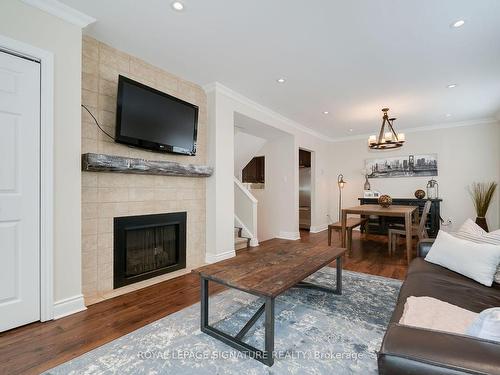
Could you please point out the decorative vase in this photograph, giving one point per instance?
(419, 194)
(385, 200)
(481, 221)
(432, 189)
(367, 183)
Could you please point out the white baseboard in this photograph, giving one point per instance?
(289, 235)
(212, 258)
(68, 306)
(318, 228)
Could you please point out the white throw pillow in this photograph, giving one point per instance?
(486, 325)
(474, 260)
(472, 232)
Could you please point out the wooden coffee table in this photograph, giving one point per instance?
(267, 274)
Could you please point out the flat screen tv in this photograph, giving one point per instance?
(151, 119)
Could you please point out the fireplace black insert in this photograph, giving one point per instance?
(148, 246)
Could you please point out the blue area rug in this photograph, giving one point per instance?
(316, 333)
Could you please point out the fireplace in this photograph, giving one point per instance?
(148, 246)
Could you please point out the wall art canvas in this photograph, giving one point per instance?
(402, 166)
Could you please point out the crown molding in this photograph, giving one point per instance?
(62, 11)
(210, 87)
(216, 86)
(448, 125)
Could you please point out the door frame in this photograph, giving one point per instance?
(312, 228)
(46, 60)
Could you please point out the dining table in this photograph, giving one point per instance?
(405, 212)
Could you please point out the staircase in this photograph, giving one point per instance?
(240, 242)
(246, 147)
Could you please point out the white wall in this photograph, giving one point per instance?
(276, 216)
(322, 180)
(31, 26)
(220, 190)
(465, 154)
(245, 148)
(302, 138)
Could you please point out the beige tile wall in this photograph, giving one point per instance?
(108, 195)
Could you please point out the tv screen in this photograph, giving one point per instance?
(151, 119)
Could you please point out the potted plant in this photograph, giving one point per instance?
(482, 194)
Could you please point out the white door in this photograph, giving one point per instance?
(19, 191)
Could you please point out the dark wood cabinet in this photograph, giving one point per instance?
(379, 225)
(255, 171)
(304, 159)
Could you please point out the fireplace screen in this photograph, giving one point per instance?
(150, 249)
(148, 246)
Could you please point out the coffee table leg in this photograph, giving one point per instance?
(269, 327)
(338, 287)
(265, 356)
(204, 302)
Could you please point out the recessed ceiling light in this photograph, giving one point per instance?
(281, 80)
(452, 86)
(178, 6)
(325, 112)
(351, 130)
(448, 115)
(458, 23)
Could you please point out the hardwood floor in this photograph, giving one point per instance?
(40, 346)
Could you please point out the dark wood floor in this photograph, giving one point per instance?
(40, 346)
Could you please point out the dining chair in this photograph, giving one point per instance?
(417, 230)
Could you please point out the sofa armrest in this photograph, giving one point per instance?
(410, 350)
(424, 246)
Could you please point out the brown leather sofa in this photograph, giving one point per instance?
(408, 350)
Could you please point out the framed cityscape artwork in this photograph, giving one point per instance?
(402, 166)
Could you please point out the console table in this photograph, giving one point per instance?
(380, 224)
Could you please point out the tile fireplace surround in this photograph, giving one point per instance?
(109, 195)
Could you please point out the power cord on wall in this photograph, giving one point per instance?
(97, 123)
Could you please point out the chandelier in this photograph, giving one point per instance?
(389, 139)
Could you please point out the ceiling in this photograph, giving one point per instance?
(350, 58)
(256, 128)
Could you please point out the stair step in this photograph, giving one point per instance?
(240, 240)
(240, 243)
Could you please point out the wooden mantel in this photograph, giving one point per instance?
(110, 163)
